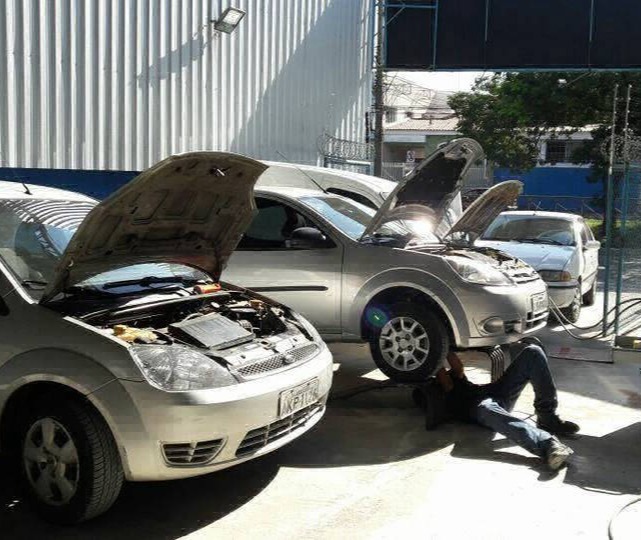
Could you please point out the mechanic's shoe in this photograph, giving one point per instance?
(557, 454)
(553, 424)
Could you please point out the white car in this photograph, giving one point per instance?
(561, 247)
(362, 188)
(122, 358)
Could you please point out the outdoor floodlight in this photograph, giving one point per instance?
(229, 20)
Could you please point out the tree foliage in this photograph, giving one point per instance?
(510, 113)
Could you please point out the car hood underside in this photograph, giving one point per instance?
(189, 209)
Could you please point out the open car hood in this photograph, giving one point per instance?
(432, 191)
(484, 210)
(189, 209)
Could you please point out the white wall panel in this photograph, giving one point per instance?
(120, 84)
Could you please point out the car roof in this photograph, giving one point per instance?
(291, 192)
(542, 214)
(11, 190)
(323, 173)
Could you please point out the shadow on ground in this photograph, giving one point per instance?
(158, 510)
(377, 426)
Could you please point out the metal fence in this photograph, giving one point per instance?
(622, 253)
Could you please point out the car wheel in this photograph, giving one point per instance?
(411, 345)
(69, 463)
(589, 297)
(573, 311)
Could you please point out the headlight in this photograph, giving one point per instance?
(175, 368)
(309, 328)
(555, 275)
(478, 272)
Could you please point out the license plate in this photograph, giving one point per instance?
(539, 302)
(298, 398)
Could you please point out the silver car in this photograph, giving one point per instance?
(405, 278)
(121, 357)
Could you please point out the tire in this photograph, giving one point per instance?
(573, 311)
(422, 354)
(75, 483)
(589, 297)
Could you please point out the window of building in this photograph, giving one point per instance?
(561, 151)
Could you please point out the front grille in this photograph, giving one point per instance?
(535, 318)
(523, 274)
(260, 437)
(191, 453)
(279, 361)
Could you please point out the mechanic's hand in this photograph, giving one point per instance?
(456, 365)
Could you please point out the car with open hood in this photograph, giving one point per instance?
(123, 357)
(407, 278)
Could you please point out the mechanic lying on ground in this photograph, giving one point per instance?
(488, 404)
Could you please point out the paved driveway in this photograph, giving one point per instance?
(370, 470)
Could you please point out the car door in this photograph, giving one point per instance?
(590, 254)
(306, 279)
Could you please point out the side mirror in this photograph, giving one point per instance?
(592, 244)
(307, 238)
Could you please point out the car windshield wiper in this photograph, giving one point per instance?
(34, 284)
(151, 280)
(540, 241)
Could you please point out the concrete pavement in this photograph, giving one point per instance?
(370, 470)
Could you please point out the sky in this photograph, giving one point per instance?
(455, 81)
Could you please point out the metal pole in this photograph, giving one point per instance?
(378, 92)
(609, 211)
(624, 207)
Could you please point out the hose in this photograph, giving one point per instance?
(618, 513)
(565, 322)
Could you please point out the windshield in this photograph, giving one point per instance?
(534, 229)
(34, 233)
(352, 218)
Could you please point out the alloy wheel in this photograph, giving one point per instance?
(404, 344)
(51, 462)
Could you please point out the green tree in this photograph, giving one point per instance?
(509, 113)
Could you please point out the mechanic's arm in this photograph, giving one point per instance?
(444, 377)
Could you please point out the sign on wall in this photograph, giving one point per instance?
(512, 35)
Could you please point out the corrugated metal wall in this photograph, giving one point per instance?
(120, 84)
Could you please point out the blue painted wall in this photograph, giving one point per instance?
(553, 181)
(97, 184)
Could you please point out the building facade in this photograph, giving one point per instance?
(117, 85)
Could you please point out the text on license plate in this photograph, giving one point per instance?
(539, 302)
(297, 398)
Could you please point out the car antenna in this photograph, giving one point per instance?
(302, 172)
(16, 177)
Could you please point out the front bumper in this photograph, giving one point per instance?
(562, 294)
(513, 306)
(240, 422)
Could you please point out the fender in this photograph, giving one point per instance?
(89, 378)
(412, 278)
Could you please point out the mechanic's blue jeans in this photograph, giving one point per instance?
(500, 396)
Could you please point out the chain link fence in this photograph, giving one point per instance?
(621, 253)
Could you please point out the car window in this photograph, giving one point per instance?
(535, 229)
(361, 199)
(353, 218)
(34, 234)
(272, 226)
(586, 233)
